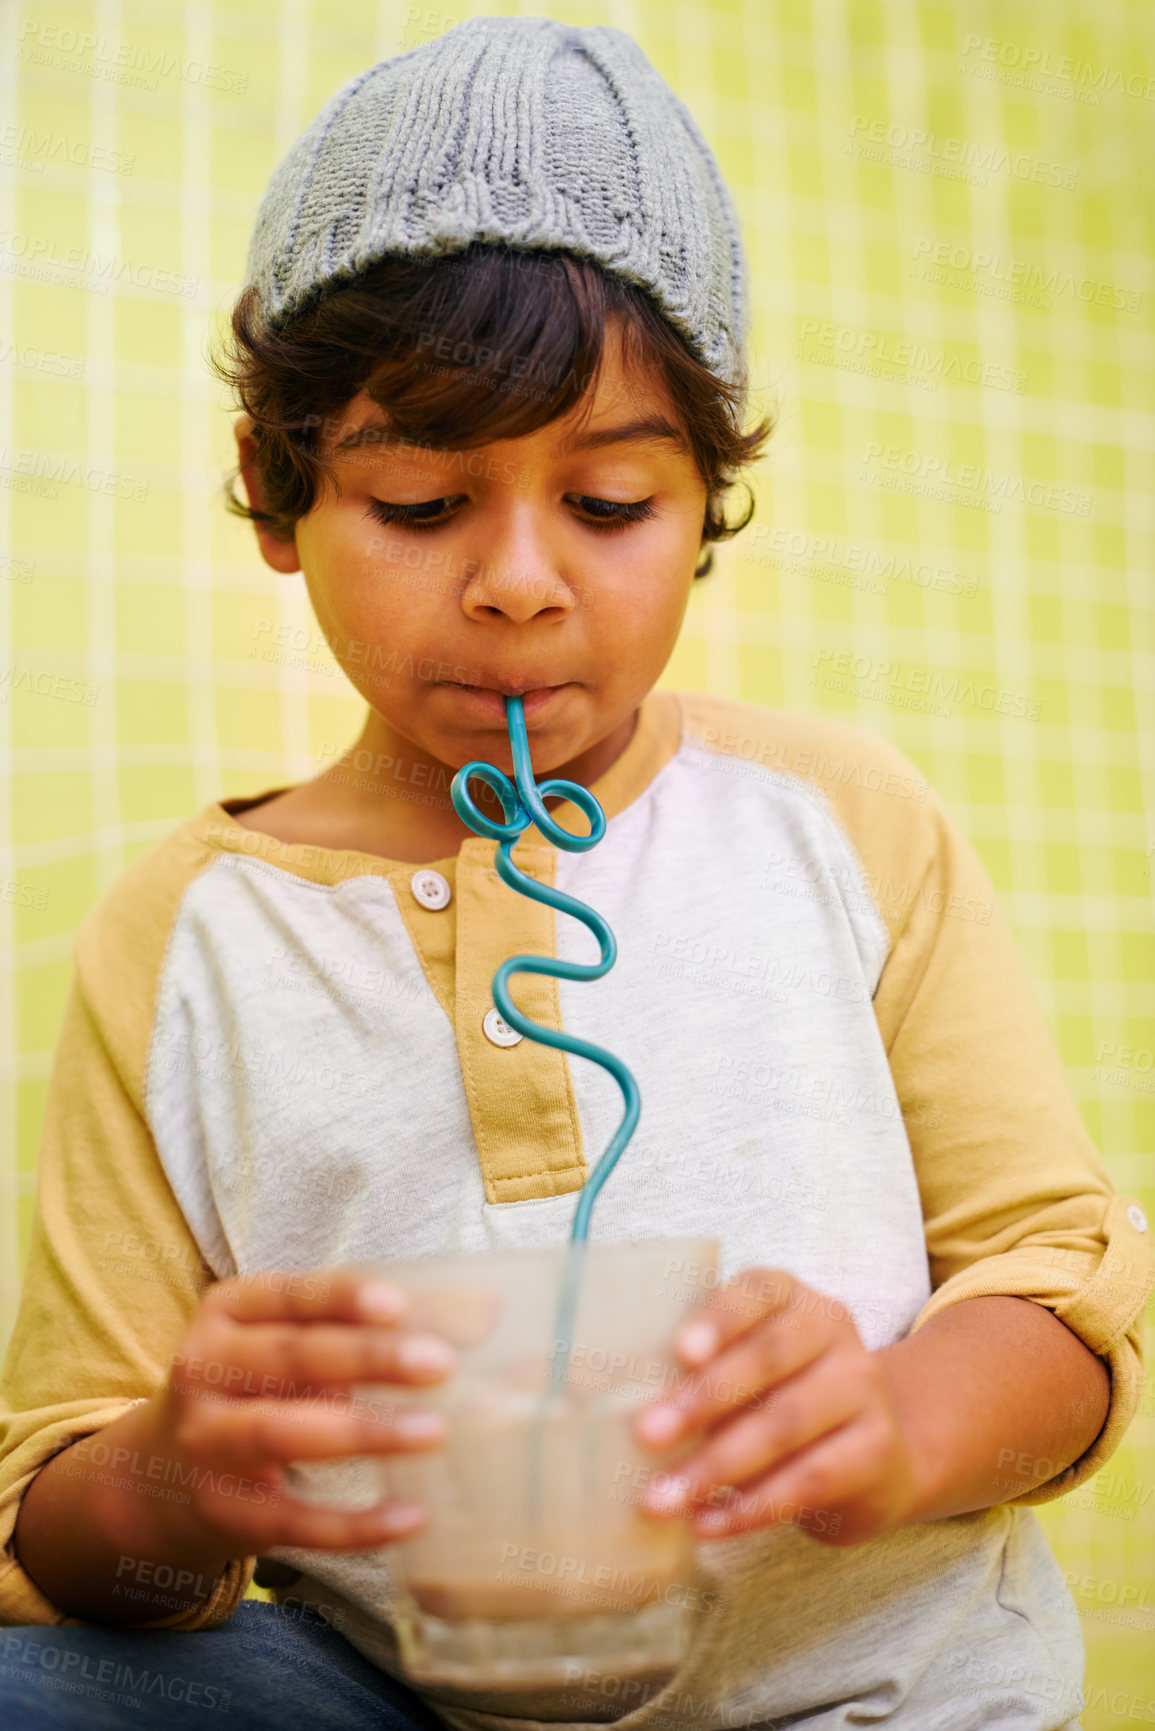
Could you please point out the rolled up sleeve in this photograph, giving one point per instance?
(113, 1277)
(1016, 1198)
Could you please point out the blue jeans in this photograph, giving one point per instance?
(260, 1671)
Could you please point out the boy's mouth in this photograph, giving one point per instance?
(491, 699)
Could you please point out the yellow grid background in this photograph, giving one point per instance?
(948, 219)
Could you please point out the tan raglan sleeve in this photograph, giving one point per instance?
(114, 1275)
(1016, 1199)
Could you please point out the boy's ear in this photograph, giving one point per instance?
(281, 555)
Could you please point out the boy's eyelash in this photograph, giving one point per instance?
(435, 512)
(619, 513)
(432, 513)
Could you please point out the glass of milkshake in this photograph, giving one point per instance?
(535, 1558)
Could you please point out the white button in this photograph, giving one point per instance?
(499, 1032)
(431, 889)
(1137, 1217)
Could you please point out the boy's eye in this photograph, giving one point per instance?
(613, 513)
(431, 513)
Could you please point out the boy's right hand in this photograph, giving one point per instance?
(264, 1376)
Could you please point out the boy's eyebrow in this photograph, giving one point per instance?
(369, 434)
(649, 429)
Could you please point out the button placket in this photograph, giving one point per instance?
(431, 929)
(520, 1091)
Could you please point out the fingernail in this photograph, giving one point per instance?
(381, 1301)
(417, 1426)
(425, 1352)
(664, 1496)
(401, 1517)
(698, 1341)
(660, 1425)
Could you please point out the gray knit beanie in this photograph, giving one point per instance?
(516, 130)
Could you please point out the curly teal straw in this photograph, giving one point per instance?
(523, 805)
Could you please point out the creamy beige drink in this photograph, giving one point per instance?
(534, 1557)
(461, 1598)
(568, 1582)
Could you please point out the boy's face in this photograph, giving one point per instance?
(442, 579)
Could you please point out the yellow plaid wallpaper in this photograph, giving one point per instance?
(948, 218)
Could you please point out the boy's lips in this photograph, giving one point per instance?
(491, 699)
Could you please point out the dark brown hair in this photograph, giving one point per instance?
(487, 344)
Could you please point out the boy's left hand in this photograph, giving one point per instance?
(798, 1419)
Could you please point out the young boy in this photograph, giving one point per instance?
(491, 366)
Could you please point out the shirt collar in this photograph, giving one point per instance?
(655, 739)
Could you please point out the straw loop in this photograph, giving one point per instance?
(522, 805)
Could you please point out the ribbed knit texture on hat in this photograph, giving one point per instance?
(516, 130)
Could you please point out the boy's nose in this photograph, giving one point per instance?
(519, 579)
(519, 594)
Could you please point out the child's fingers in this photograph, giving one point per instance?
(810, 1491)
(268, 1518)
(355, 1529)
(818, 1399)
(246, 1435)
(275, 1359)
(311, 1295)
(749, 1298)
(777, 1348)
